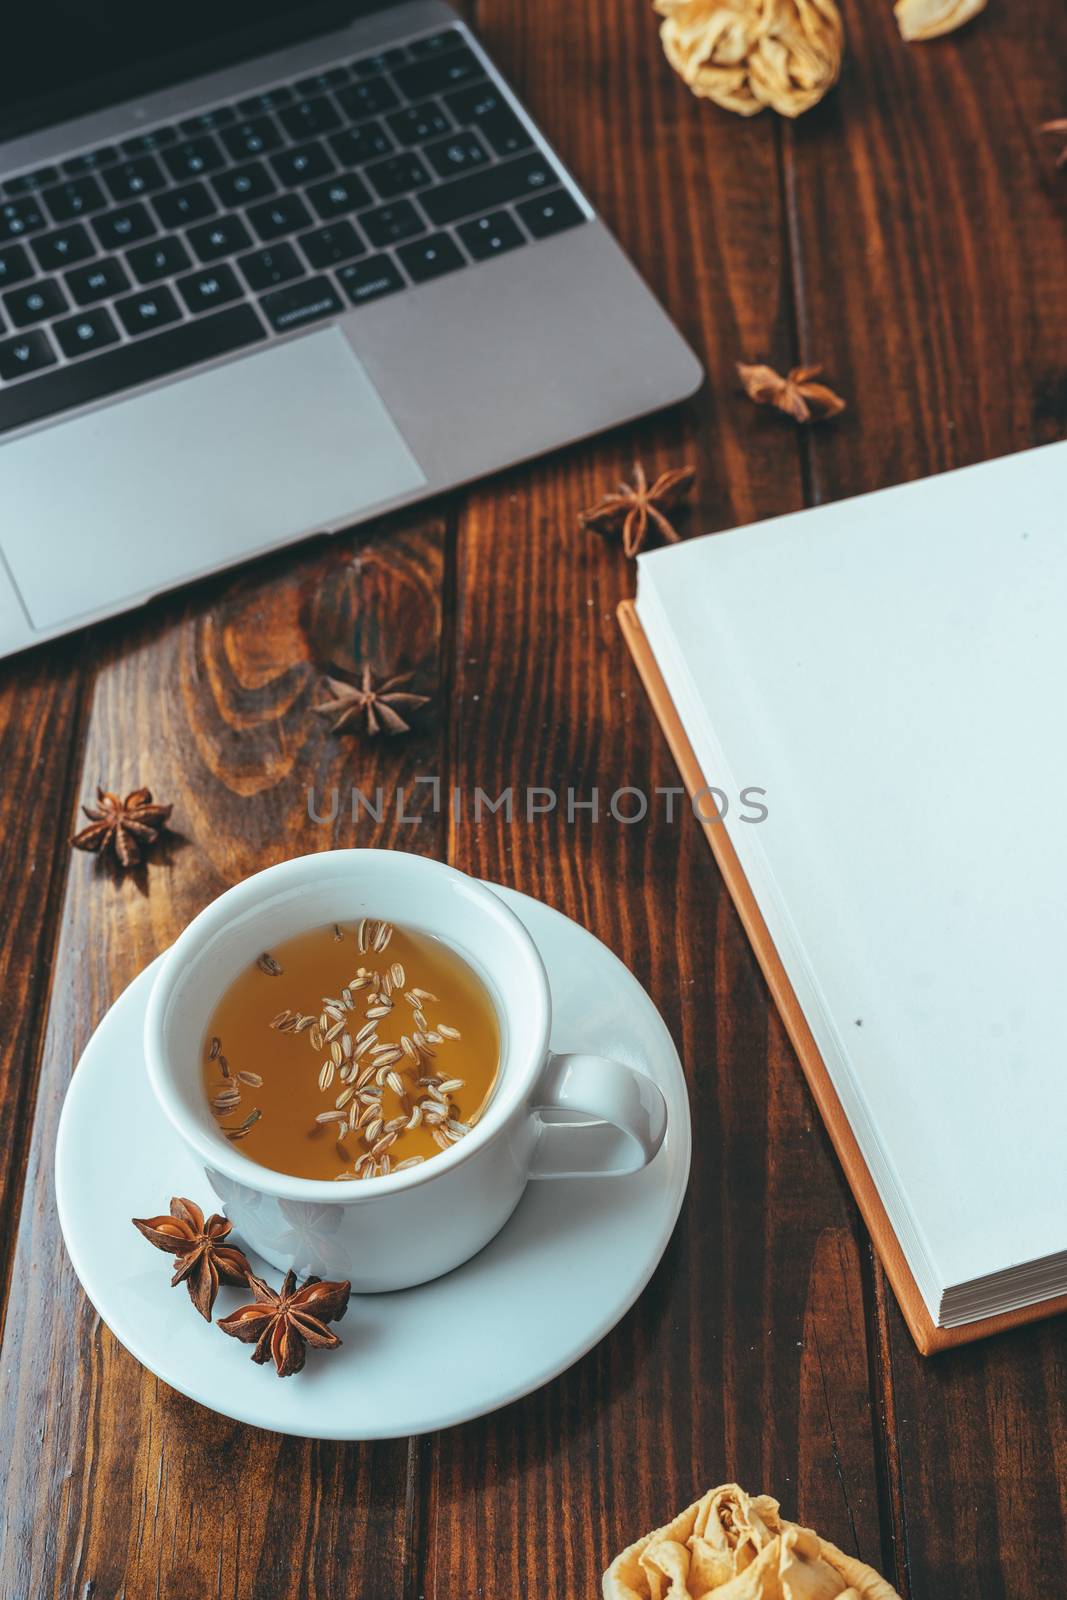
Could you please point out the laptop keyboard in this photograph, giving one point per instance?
(130, 262)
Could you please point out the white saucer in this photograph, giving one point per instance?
(568, 1265)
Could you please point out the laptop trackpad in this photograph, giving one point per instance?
(114, 506)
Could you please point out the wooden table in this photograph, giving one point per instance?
(910, 234)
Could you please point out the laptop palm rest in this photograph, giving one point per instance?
(210, 470)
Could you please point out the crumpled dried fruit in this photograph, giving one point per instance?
(739, 1548)
(928, 19)
(748, 54)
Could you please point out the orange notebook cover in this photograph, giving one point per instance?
(929, 1338)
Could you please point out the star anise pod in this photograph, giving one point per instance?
(203, 1260)
(1059, 127)
(281, 1323)
(635, 505)
(356, 700)
(125, 827)
(795, 394)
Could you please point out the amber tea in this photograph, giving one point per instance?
(351, 1051)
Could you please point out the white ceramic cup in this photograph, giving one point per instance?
(408, 1227)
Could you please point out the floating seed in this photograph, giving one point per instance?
(281, 1019)
(267, 964)
(331, 1116)
(446, 1032)
(253, 1079)
(216, 1046)
(326, 1073)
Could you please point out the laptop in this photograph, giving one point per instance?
(269, 269)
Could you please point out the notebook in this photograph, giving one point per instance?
(885, 678)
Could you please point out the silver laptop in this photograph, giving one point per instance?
(268, 269)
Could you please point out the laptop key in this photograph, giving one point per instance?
(252, 138)
(186, 344)
(339, 195)
(447, 71)
(435, 44)
(203, 291)
(266, 100)
(19, 217)
(180, 207)
(303, 164)
(223, 237)
(309, 301)
(133, 178)
(416, 124)
(150, 262)
(431, 257)
(397, 175)
(370, 278)
(458, 153)
(241, 185)
(266, 269)
(370, 66)
(31, 182)
(328, 247)
(308, 118)
(76, 198)
(367, 98)
(194, 157)
(483, 191)
(287, 214)
(550, 213)
(99, 281)
(144, 313)
(15, 266)
(208, 121)
(143, 144)
(87, 332)
(357, 145)
(491, 235)
(319, 82)
(64, 247)
(34, 302)
(390, 224)
(127, 225)
(90, 161)
(18, 357)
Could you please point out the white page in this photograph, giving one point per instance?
(893, 671)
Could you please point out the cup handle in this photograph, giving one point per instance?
(631, 1113)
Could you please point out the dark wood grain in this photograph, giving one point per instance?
(910, 234)
(930, 234)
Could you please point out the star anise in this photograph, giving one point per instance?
(795, 394)
(357, 700)
(635, 505)
(203, 1260)
(125, 827)
(281, 1323)
(1059, 127)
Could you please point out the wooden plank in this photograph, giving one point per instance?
(40, 719)
(141, 1491)
(733, 1362)
(928, 228)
